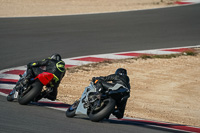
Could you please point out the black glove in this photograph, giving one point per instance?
(96, 79)
(93, 79)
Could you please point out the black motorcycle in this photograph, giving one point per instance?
(35, 89)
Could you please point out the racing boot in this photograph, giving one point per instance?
(12, 95)
(117, 114)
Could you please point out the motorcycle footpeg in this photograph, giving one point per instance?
(49, 90)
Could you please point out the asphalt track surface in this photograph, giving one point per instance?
(31, 119)
(26, 39)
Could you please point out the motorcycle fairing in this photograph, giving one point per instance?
(81, 110)
(116, 87)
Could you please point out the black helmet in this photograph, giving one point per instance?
(121, 71)
(56, 57)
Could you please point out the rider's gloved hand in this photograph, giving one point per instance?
(96, 80)
(93, 79)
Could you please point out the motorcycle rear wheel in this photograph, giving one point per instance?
(104, 111)
(34, 92)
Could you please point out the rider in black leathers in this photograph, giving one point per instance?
(53, 65)
(119, 77)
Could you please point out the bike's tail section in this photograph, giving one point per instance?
(45, 77)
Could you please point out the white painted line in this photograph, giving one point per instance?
(20, 68)
(3, 94)
(9, 76)
(75, 62)
(111, 56)
(157, 52)
(7, 86)
(14, 68)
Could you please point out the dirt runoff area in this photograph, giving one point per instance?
(161, 89)
(21, 8)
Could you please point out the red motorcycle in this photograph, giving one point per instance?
(27, 93)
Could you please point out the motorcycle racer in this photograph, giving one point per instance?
(54, 65)
(120, 77)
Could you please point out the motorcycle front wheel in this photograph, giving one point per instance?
(106, 108)
(72, 109)
(36, 89)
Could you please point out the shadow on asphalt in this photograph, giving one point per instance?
(148, 125)
(155, 126)
(51, 104)
(165, 127)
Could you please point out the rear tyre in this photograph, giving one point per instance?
(31, 94)
(72, 109)
(104, 111)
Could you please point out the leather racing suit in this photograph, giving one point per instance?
(104, 85)
(47, 65)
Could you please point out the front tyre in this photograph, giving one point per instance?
(72, 109)
(36, 89)
(106, 108)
